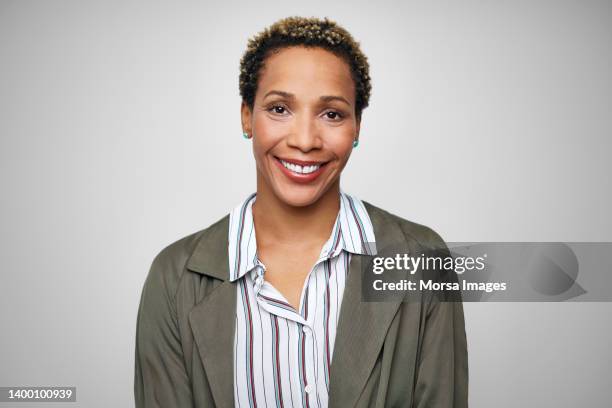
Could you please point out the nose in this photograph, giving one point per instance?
(305, 135)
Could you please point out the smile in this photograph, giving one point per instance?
(296, 168)
(300, 171)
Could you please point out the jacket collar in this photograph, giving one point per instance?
(213, 319)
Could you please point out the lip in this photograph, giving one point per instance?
(300, 162)
(301, 178)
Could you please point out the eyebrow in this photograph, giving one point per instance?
(324, 98)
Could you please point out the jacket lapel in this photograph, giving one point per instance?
(361, 328)
(213, 322)
(362, 325)
(213, 319)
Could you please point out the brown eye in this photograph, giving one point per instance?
(277, 109)
(333, 115)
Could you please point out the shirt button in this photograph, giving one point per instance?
(309, 388)
(306, 329)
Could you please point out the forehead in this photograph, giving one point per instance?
(302, 70)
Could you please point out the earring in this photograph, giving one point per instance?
(246, 135)
(355, 142)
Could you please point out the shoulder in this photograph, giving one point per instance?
(170, 263)
(417, 233)
(418, 237)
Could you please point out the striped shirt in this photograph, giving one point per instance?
(282, 356)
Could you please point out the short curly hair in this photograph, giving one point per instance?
(307, 32)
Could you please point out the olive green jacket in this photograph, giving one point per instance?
(386, 354)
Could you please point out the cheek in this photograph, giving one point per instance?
(264, 123)
(267, 133)
(343, 148)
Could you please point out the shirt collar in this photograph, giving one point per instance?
(352, 232)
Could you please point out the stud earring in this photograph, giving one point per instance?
(355, 142)
(246, 135)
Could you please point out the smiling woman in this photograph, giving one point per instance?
(264, 308)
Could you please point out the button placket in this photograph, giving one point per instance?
(310, 387)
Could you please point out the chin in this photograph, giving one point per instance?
(298, 196)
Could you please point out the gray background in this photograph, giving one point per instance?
(489, 121)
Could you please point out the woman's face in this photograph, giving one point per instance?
(303, 123)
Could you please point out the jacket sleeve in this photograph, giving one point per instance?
(160, 378)
(442, 375)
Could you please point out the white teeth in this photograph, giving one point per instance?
(296, 168)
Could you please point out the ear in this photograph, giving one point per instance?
(246, 117)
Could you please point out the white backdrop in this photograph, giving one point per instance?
(119, 120)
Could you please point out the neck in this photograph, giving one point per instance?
(276, 221)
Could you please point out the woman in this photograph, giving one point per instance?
(264, 307)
